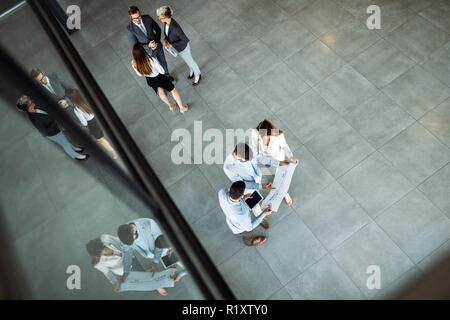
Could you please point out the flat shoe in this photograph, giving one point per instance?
(258, 241)
(87, 157)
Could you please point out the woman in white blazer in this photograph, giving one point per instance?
(107, 256)
(270, 141)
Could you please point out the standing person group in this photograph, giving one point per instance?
(149, 60)
(241, 167)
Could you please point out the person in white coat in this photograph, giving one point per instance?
(107, 253)
(266, 139)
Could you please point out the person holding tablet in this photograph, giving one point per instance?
(242, 165)
(238, 215)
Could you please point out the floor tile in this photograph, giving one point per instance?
(281, 294)
(437, 120)
(339, 148)
(371, 246)
(290, 248)
(279, 87)
(417, 91)
(416, 153)
(415, 225)
(394, 14)
(214, 234)
(438, 64)
(298, 36)
(292, 6)
(308, 116)
(314, 62)
(438, 14)
(379, 119)
(333, 216)
(357, 8)
(255, 281)
(375, 184)
(253, 62)
(324, 281)
(346, 89)
(433, 260)
(417, 38)
(382, 63)
(437, 188)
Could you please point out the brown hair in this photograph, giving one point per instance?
(133, 10)
(266, 128)
(77, 99)
(140, 60)
(35, 72)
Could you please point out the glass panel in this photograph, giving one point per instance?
(54, 205)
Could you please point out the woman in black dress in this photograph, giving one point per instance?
(147, 66)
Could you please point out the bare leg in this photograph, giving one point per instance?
(162, 94)
(105, 144)
(288, 199)
(176, 96)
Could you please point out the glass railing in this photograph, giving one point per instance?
(103, 227)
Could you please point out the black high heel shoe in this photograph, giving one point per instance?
(191, 77)
(198, 82)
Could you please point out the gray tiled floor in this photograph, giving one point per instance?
(366, 112)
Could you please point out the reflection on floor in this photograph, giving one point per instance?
(366, 112)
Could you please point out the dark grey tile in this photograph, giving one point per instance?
(333, 216)
(375, 184)
(415, 225)
(416, 153)
(291, 248)
(417, 91)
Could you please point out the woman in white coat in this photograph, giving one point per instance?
(107, 256)
(270, 141)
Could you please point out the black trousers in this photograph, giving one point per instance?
(247, 237)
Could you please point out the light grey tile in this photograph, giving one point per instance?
(382, 63)
(394, 14)
(438, 15)
(219, 85)
(438, 64)
(417, 38)
(368, 247)
(310, 177)
(298, 36)
(437, 189)
(253, 61)
(322, 16)
(279, 87)
(218, 240)
(437, 120)
(375, 184)
(339, 148)
(349, 39)
(281, 294)
(432, 260)
(101, 58)
(415, 225)
(324, 281)
(196, 202)
(291, 248)
(346, 89)
(308, 116)
(215, 175)
(417, 91)
(149, 132)
(418, 5)
(333, 216)
(206, 57)
(230, 39)
(255, 280)
(416, 153)
(117, 80)
(357, 7)
(379, 119)
(314, 62)
(292, 6)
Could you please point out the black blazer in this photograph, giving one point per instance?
(46, 125)
(176, 36)
(135, 34)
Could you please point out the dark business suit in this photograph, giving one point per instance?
(135, 34)
(176, 36)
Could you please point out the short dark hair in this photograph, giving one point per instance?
(242, 150)
(125, 234)
(161, 242)
(237, 189)
(35, 72)
(94, 248)
(133, 10)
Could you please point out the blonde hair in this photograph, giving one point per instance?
(164, 11)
